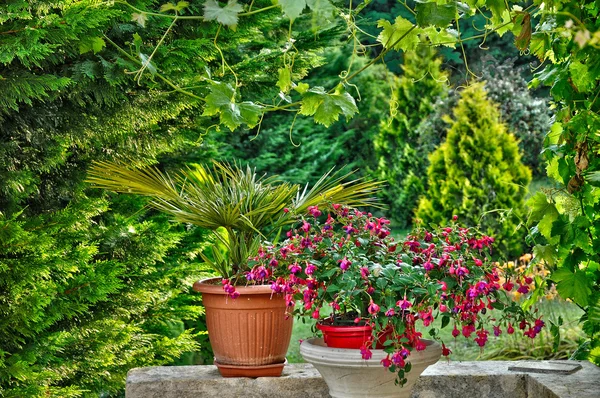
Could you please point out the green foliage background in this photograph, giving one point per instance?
(92, 284)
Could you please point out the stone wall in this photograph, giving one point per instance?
(493, 379)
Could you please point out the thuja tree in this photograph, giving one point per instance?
(526, 115)
(399, 160)
(477, 175)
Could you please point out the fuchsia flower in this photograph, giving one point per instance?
(344, 264)
(404, 304)
(510, 329)
(390, 312)
(305, 226)
(497, 331)
(386, 362)
(426, 317)
(523, 289)
(314, 211)
(310, 269)
(445, 350)
(373, 308)
(481, 338)
(398, 358)
(365, 352)
(364, 272)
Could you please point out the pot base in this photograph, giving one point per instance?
(272, 370)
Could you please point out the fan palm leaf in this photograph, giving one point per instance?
(247, 206)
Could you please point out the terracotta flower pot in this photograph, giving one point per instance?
(249, 335)
(349, 376)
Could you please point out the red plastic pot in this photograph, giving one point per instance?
(352, 337)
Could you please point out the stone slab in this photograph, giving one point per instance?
(493, 379)
(484, 379)
(297, 381)
(550, 367)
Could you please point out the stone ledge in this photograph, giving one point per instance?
(493, 379)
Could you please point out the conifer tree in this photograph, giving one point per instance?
(397, 144)
(477, 174)
(93, 284)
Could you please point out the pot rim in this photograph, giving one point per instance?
(335, 328)
(208, 286)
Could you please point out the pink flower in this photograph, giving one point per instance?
(508, 286)
(455, 332)
(315, 314)
(445, 350)
(365, 352)
(305, 226)
(386, 362)
(373, 308)
(344, 264)
(497, 331)
(426, 317)
(310, 269)
(314, 211)
(524, 289)
(390, 312)
(510, 329)
(404, 304)
(398, 358)
(295, 268)
(364, 272)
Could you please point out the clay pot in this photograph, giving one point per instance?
(249, 335)
(349, 376)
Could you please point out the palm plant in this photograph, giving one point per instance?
(240, 207)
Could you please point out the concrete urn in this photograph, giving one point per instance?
(349, 376)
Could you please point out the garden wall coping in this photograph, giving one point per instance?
(493, 379)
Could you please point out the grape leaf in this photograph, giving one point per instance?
(325, 107)
(431, 13)
(95, 44)
(443, 37)
(581, 77)
(139, 18)
(574, 286)
(523, 39)
(221, 101)
(402, 35)
(292, 8)
(546, 253)
(322, 9)
(285, 79)
(227, 15)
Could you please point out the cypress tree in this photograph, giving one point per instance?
(477, 174)
(93, 284)
(399, 160)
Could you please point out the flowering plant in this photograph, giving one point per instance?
(346, 260)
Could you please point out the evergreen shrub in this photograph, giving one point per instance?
(477, 174)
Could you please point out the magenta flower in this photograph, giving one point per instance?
(310, 269)
(386, 362)
(305, 226)
(398, 358)
(364, 272)
(390, 312)
(365, 353)
(295, 268)
(510, 329)
(344, 264)
(373, 308)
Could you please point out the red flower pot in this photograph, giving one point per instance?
(350, 336)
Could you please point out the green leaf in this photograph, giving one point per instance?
(543, 212)
(221, 100)
(168, 7)
(292, 8)
(402, 35)
(581, 77)
(285, 79)
(322, 9)
(227, 15)
(546, 253)
(325, 107)
(95, 44)
(523, 39)
(441, 37)
(445, 321)
(574, 286)
(139, 18)
(431, 13)
(301, 88)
